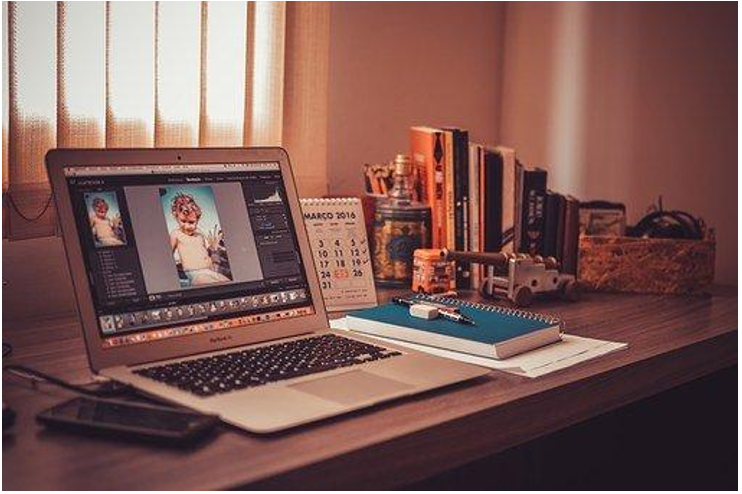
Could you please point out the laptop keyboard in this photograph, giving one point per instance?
(258, 366)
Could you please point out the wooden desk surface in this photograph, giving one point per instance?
(672, 340)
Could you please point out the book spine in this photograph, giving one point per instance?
(559, 248)
(492, 169)
(571, 236)
(551, 221)
(439, 189)
(448, 200)
(458, 197)
(422, 158)
(428, 154)
(465, 198)
(474, 206)
(508, 196)
(422, 146)
(463, 149)
(532, 216)
(518, 209)
(482, 196)
(461, 200)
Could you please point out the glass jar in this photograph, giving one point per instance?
(401, 225)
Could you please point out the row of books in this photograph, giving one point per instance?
(483, 199)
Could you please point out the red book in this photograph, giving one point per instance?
(428, 153)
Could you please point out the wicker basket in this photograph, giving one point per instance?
(646, 265)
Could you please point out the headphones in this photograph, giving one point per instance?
(668, 224)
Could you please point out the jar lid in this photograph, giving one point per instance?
(402, 165)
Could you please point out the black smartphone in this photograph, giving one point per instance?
(126, 419)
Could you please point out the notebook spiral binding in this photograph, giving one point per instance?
(494, 308)
(310, 201)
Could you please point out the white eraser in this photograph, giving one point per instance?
(423, 311)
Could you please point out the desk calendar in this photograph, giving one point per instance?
(341, 252)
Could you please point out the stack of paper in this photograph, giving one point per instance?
(570, 351)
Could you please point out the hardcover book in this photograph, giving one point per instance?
(510, 170)
(552, 217)
(427, 149)
(518, 211)
(534, 197)
(571, 235)
(560, 228)
(492, 175)
(449, 202)
(475, 207)
(460, 186)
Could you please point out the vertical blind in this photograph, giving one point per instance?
(158, 74)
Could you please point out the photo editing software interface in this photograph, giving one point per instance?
(173, 250)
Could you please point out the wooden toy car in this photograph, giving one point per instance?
(519, 277)
(528, 277)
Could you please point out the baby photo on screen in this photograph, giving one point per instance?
(105, 219)
(196, 236)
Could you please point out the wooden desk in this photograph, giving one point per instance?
(672, 340)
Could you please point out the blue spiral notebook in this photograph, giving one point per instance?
(499, 332)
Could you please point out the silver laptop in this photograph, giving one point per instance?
(195, 283)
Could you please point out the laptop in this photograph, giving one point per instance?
(195, 284)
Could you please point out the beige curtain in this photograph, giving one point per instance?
(158, 74)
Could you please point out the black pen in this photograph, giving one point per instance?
(444, 313)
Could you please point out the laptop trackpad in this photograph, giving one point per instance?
(352, 387)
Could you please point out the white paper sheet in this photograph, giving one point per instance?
(570, 351)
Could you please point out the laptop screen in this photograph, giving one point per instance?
(173, 250)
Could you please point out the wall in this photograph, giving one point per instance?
(392, 65)
(627, 101)
(36, 281)
(620, 101)
(397, 64)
